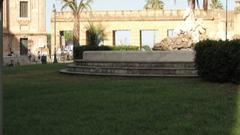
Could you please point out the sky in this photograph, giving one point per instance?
(120, 5)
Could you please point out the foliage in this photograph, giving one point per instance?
(237, 10)
(68, 35)
(154, 4)
(218, 61)
(146, 48)
(76, 10)
(48, 38)
(78, 51)
(216, 4)
(49, 42)
(40, 101)
(125, 48)
(95, 34)
(75, 7)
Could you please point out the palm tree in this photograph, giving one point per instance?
(216, 4)
(192, 4)
(154, 4)
(95, 34)
(76, 10)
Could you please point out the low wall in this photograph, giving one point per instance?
(16, 60)
(139, 56)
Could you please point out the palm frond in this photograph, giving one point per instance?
(65, 5)
(96, 34)
(216, 4)
(69, 4)
(84, 5)
(154, 4)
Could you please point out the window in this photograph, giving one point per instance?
(23, 9)
(171, 33)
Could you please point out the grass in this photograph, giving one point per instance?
(40, 101)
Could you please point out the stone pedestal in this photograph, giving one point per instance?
(138, 56)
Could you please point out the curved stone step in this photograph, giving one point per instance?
(135, 64)
(65, 71)
(132, 70)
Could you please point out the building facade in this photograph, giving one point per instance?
(161, 22)
(24, 27)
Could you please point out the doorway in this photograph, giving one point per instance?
(23, 46)
(149, 38)
(121, 37)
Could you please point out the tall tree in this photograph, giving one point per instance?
(216, 4)
(154, 4)
(76, 9)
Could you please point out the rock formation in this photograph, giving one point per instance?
(181, 42)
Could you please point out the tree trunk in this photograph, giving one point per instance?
(205, 4)
(76, 31)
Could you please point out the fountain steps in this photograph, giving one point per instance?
(108, 68)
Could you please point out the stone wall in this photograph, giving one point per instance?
(16, 60)
(237, 24)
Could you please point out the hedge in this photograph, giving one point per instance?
(218, 61)
(78, 51)
(125, 48)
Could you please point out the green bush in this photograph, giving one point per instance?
(218, 61)
(146, 48)
(126, 48)
(68, 35)
(237, 10)
(78, 51)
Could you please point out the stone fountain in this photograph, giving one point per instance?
(167, 63)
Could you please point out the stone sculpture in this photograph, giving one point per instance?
(188, 33)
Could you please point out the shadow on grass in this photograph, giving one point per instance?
(50, 103)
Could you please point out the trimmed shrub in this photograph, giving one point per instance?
(126, 48)
(78, 51)
(218, 61)
(146, 48)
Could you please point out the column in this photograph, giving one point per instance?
(109, 38)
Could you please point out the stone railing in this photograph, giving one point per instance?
(133, 15)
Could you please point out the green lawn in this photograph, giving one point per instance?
(40, 101)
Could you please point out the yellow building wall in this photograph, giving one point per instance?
(135, 21)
